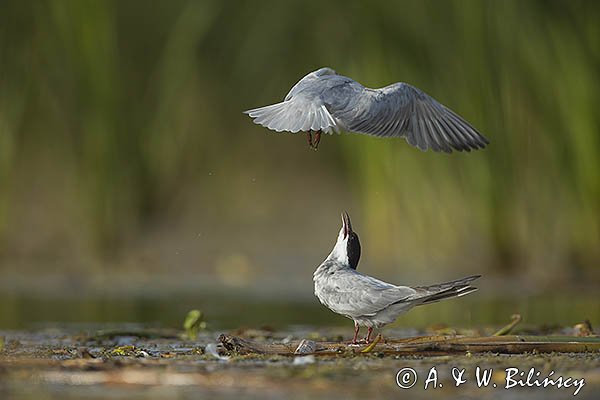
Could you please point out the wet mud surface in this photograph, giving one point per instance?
(131, 362)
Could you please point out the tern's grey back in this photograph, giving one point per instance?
(317, 84)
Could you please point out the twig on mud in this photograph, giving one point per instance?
(505, 330)
(372, 345)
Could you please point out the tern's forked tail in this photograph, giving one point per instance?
(446, 290)
(294, 116)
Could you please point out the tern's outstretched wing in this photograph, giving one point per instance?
(403, 110)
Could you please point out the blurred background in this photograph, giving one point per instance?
(132, 187)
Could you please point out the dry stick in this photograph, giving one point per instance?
(516, 318)
(372, 345)
(437, 345)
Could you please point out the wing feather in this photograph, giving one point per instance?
(354, 294)
(459, 141)
(405, 111)
(447, 134)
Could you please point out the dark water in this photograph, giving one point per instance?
(234, 310)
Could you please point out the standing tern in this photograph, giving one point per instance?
(325, 102)
(367, 300)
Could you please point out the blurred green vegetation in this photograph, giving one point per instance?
(121, 134)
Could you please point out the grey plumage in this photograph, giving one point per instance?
(324, 101)
(369, 301)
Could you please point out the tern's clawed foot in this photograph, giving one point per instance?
(317, 140)
(361, 341)
(313, 144)
(309, 139)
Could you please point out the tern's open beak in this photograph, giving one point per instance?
(346, 224)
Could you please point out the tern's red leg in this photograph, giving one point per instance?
(356, 329)
(309, 139)
(368, 338)
(317, 140)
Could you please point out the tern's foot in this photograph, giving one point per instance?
(368, 337)
(309, 139)
(315, 145)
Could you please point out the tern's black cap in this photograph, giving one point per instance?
(353, 244)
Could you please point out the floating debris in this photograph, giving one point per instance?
(306, 346)
(142, 354)
(127, 350)
(211, 349)
(583, 329)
